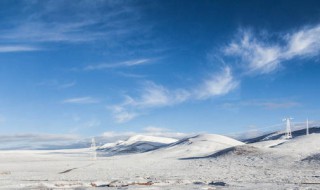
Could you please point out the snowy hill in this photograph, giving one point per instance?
(200, 145)
(135, 144)
(280, 135)
(301, 146)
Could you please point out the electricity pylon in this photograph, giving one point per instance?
(93, 149)
(288, 127)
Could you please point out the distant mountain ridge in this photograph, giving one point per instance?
(135, 144)
(281, 135)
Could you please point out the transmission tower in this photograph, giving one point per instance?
(93, 149)
(288, 127)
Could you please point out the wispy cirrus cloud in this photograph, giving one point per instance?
(18, 48)
(152, 96)
(129, 63)
(217, 85)
(80, 100)
(303, 43)
(256, 55)
(87, 21)
(264, 55)
(124, 116)
(155, 96)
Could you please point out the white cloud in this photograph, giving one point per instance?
(152, 96)
(262, 56)
(17, 48)
(305, 43)
(156, 96)
(80, 100)
(217, 85)
(129, 63)
(124, 116)
(259, 56)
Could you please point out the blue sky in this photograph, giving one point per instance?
(90, 68)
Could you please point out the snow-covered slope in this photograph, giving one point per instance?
(200, 145)
(268, 143)
(305, 148)
(135, 144)
(301, 146)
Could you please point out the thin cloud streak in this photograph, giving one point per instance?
(18, 48)
(80, 100)
(129, 63)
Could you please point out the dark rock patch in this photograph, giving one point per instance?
(217, 183)
(312, 158)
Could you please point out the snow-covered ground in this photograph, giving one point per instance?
(200, 162)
